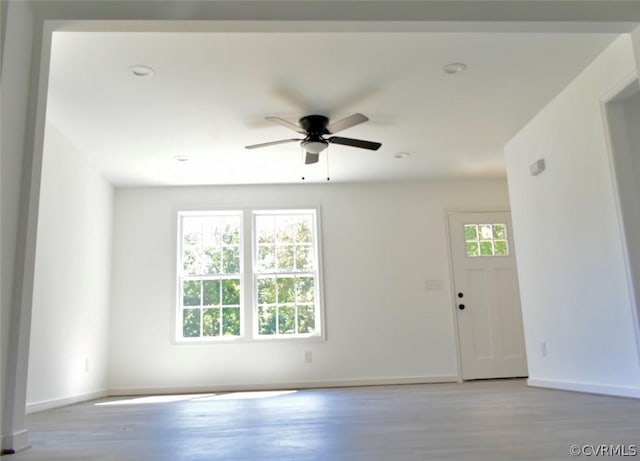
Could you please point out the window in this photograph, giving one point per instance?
(283, 297)
(286, 273)
(210, 275)
(486, 240)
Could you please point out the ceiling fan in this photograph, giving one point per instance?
(316, 128)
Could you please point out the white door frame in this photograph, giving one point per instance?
(633, 285)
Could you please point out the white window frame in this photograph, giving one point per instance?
(180, 278)
(317, 273)
(248, 277)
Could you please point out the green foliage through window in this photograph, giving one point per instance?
(486, 240)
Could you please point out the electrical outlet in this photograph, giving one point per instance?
(308, 357)
(86, 364)
(543, 348)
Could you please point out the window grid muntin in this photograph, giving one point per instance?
(220, 243)
(311, 218)
(296, 304)
(220, 306)
(486, 240)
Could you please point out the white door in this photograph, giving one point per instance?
(487, 296)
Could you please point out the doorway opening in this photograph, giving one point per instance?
(622, 117)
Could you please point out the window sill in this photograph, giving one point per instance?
(247, 340)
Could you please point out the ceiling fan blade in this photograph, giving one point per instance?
(354, 143)
(286, 124)
(311, 158)
(271, 143)
(348, 122)
(292, 97)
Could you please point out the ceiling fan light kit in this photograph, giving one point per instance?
(314, 147)
(316, 128)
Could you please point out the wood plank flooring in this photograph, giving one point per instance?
(483, 420)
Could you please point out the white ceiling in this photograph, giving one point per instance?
(211, 92)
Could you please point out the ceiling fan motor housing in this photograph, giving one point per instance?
(315, 125)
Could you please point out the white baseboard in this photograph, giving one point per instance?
(57, 403)
(280, 386)
(590, 388)
(16, 442)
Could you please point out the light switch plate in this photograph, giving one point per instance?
(433, 285)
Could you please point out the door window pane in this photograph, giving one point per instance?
(486, 240)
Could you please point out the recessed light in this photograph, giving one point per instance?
(402, 155)
(455, 68)
(140, 70)
(181, 158)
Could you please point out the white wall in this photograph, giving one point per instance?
(570, 255)
(16, 83)
(70, 318)
(381, 242)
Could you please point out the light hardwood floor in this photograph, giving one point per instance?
(484, 420)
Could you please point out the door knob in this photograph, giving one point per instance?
(461, 307)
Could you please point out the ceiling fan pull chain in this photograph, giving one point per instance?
(328, 178)
(302, 155)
